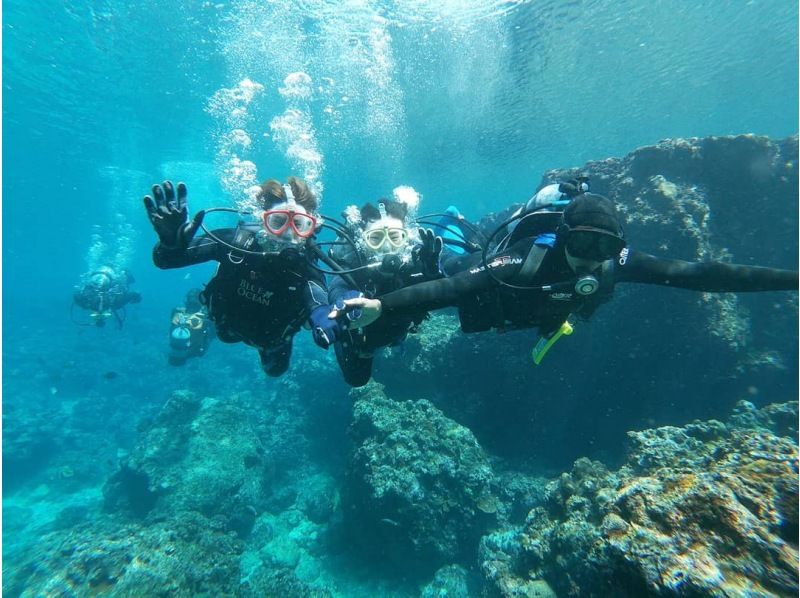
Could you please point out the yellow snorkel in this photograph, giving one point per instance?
(544, 343)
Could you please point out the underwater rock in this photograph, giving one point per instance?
(198, 455)
(727, 198)
(30, 440)
(419, 487)
(280, 582)
(779, 418)
(706, 198)
(449, 582)
(183, 557)
(426, 351)
(708, 509)
(517, 494)
(282, 558)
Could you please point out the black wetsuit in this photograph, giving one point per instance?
(112, 299)
(355, 350)
(484, 303)
(258, 300)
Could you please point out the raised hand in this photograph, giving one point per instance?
(169, 215)
(426, 255)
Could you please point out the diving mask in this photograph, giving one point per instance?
(377, 238)
(289, 215)
(593, 244)
(278, 222)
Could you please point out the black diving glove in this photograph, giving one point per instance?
(427, 254)
(170, 215)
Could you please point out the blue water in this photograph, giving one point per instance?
(468, 102)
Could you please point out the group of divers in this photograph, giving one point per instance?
(544, 264)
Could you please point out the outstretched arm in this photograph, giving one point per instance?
(471, 278)
(712, 277)
(435, 294)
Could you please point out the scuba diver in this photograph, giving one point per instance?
(384, 256)
(190, 331)
(555, 266)
(104, 293)
(264, 289)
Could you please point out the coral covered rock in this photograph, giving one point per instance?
(419, 485)
(198, 455)
(708, 198)
(449, 582)
(722, 198)
(184, 557)
(705, 510)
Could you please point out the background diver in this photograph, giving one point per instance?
(557, 265)
(190, 330)
(264, 288)
(104, 293)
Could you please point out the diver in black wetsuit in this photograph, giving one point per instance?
(384, 259)
(540, 278)
(104, 293)
(263, 290)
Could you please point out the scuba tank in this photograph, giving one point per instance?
(179, 338)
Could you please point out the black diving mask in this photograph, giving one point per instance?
(593, 244)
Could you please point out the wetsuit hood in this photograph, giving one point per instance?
(593, 212)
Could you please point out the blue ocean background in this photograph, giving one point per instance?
(468, 102)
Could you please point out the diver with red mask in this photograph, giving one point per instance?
(264, 288)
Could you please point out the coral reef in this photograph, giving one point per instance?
(709, 190)
(709, 509)
(185, 556)
(419, 487)
(728, 198)
(199, 469)
(198, 455)
(116, 485)
(449, 582)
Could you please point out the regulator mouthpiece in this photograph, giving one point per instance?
(586, 285)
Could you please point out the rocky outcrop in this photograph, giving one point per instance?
(419, 488)
(188, 555)
(709, 509)
(722, 198)
(198, 455)
(709, 198)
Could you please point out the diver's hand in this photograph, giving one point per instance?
(360, 311)
(324, 330)
(427, 254)
(170, 215)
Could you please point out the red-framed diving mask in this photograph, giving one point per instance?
(289, 215)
